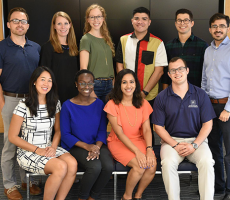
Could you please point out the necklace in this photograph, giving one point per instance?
(128, 116)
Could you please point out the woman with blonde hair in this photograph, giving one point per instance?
(97, 51)
(60, 54)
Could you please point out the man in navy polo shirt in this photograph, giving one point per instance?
(182, 117)
(18, 59)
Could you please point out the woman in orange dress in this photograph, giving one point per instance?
(130, 140)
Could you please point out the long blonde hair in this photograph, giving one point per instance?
(71, 39)
(104, 29)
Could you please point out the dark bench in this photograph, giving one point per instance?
(184, 167)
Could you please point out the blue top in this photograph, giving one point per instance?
(82, 123)
(182, 117)
(18, 64)
(216, 71)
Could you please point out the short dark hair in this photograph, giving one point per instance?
(219, 16)
(83, 71)
(174, 59)
(141, 10)
(184, 11)
(17, 9)
(51, 97)
(116, 94)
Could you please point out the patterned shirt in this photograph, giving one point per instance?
(192, 52)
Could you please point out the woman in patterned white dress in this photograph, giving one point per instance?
(36, 116)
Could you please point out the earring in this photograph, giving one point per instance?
(76, 85)
(34, 83)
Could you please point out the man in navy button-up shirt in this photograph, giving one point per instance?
(182, 117)
(216, 83)
(19, 57)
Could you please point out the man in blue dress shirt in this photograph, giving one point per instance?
(182, 117)
(216, 83)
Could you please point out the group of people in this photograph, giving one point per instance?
(38, 102)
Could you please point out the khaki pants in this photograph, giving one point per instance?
(202, 157)
(8, 159)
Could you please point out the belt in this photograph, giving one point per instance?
(15, 94)
(104, 79)
(220, 101)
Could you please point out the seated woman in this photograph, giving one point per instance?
(83, 134)
(130, 140)
(36, 116)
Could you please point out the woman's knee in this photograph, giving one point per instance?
(72, 165)
(57, 167)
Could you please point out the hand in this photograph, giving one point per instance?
(143, 94)
(2, 103)
(151, 158)
(141, 159)
(92, 156)
(93, 148)
(50, 152)
(41, 151)
(224, 116)
(186, 150)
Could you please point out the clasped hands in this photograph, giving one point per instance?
(146, 161)
(47, 152)
(184, 149)
(94, 152)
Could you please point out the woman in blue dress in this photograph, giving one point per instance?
(83, 134)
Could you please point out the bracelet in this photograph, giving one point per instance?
(176, 145)
(149, 147)
(35, 150)
(97, 146)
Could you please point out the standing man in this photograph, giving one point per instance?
(18, 59)
(216, 83)
(143, 53)
(186, 46)
(182, 117)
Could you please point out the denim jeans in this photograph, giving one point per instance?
(102, 88)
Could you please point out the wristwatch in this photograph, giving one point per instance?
(195, 146)
(145, 92)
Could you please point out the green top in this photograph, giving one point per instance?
(100, 56)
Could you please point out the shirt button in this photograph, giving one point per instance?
(210, 79)
(213, 59)
(210, 89)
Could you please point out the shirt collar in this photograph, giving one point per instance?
(11, 43)
(190, 90)
(146, 38)
(224, 42)
(190, 38)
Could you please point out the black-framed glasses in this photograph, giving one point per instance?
(179, 69)
(17, 21)
(95, 17)
(83, 85)
(221, 26)
(186, 21)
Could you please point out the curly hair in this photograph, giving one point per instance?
(117, 95)
(71, 39)
(51, 97)
(104, 29)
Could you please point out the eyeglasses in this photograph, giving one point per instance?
(17, 21)
(179, 69)
(95, 17)
(186, 21)
(83, 85)
(221, 26)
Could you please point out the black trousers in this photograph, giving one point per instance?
(151, 102)
(220, 131)
(97, 171)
